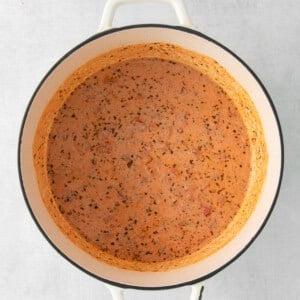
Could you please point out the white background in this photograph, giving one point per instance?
(35, 34)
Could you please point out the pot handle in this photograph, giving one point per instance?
(197, 291)
(196, 294)
(111, 6)
(116, 292)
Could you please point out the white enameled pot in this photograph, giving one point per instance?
(105, 40)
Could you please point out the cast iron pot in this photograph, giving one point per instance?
(107, 39)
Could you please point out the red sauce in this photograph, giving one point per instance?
(149, 160)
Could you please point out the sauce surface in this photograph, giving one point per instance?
(148, 159)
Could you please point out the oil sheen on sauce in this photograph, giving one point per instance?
(148, 159)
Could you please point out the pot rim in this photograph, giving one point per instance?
(179, 28)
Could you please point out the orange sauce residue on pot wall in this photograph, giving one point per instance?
(148, 161)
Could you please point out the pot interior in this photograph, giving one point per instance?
(135, 35)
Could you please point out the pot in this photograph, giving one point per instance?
(184, 36)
